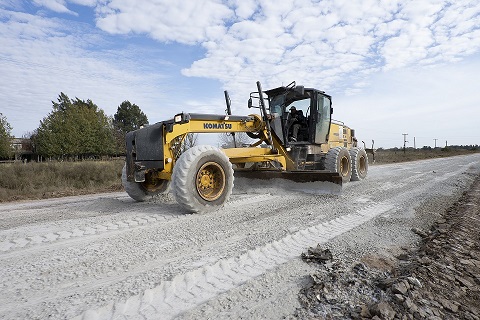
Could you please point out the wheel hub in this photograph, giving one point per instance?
(343, 166)
(362, 165)
(210, 181)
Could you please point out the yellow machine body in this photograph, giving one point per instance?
(319, 149)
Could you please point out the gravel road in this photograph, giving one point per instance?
(105, 256)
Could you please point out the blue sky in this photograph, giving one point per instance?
(392, 67)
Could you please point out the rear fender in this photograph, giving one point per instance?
(144, 151)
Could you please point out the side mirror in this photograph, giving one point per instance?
(250, 105)
(331, 110)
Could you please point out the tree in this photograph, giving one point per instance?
(74, 128)
(189, 141)
(5, 138)
(227, 140)
(128, 118)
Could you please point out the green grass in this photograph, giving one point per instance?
(32, 180)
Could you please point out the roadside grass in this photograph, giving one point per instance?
(394, 156)
(33, 180)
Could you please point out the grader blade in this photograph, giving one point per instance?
(309, 181)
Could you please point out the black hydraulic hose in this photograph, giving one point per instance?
(229, 112)
(264, 116)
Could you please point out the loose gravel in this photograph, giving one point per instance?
(438, 279)
(106, 256)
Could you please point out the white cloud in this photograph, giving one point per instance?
(433, 32)
(88, 3)
(12, 4)
(334, 45)
(316, 41)
(54, 5)
(320, 42)
(181, 21)
(42, 57)
(244, 9)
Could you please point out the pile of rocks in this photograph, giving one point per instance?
(338, 291)
(446, 265)
(438, 280)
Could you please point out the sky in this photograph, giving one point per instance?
(392, 67)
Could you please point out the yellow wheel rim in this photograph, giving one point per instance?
(344, 166)
(210, 181)
(362, 165)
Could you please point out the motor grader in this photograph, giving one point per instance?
(201, 177)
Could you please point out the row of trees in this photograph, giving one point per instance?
(77, 128)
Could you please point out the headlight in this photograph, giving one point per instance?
(178, 118)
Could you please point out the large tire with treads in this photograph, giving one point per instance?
(359, 163)
(142, 191)
(338, 160)
(202, 179)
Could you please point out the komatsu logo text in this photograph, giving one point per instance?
(217, 126)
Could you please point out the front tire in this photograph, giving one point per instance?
(202, 179)
(338, 160)
(142, 191)
(359, 164)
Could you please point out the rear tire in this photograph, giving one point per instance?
(202, 179)
(338, 160)
(140, 191)
(359, 164)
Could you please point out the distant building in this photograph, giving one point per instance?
(22, 148)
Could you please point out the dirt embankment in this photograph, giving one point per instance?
(439, 279)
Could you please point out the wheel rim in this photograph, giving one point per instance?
(344, 166)
(362, 165)
(210, 181)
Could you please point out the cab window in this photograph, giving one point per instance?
(323, 119)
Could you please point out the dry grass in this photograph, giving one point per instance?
(393, 156)
(57, 179)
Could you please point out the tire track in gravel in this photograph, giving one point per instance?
(242, 214)
(241, 201)
(79, 234)
(383, 187)
(190, 289)
(33, 212)
(195, 287)
(247, 300)
(54, 202)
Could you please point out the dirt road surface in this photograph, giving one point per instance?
(105, 256)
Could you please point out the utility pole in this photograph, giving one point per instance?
(404, 141)
(414, 143)
(435, 142)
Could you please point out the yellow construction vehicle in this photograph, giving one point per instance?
(303, 145)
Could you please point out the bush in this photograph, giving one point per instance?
(53, 179)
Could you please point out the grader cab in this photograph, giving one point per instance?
(293, 137)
